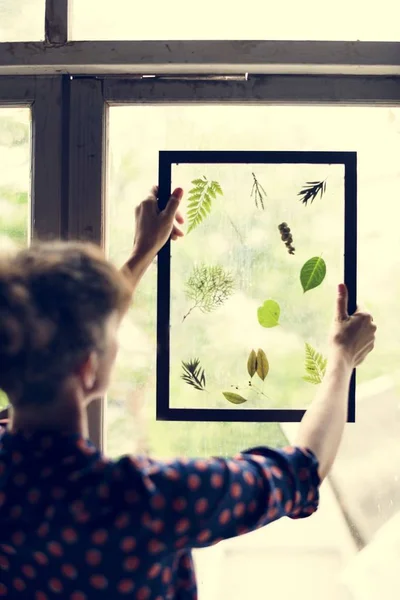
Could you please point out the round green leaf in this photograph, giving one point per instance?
(312, 273)
(268, 314)
(234, 398)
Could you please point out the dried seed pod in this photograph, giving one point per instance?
(286, 236)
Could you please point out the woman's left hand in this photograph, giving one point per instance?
(155, 227)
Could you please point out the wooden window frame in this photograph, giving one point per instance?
(70, 86)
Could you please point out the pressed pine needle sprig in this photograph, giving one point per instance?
(194, 375)
(258, 193)
(200, 200)
(311, 190)
(208, 287)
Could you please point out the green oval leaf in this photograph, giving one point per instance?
(268, 314)
(252, 363)
(262, 364)
(312, 273)
(234, 398)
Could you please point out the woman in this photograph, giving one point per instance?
(76, 525)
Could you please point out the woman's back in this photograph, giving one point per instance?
(76, 525)
(71, 526)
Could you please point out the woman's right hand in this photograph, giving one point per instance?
(353, 336)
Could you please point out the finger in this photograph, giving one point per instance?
(152, 195)
(362, 355)
(174, 236)
(177, 231)
(342, 303)
(179, 217)
(173, 203)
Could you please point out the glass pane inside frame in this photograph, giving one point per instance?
(253, 20)
(251, 288)
(22, 20)
(15, 184)
(364, 494)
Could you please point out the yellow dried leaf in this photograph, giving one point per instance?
(252, 363)
(262, 364)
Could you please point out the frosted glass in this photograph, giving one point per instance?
(22, 20)
(252, 20)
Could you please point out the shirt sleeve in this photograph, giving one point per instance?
(197, 503)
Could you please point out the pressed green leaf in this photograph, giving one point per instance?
(310, 379)
(200, 201)
(262, 364)
(3, 400)
(216, 186)
(209, 286)
(268, 314)
(195, 194)
(234, 398)
(312, 273)
(315, 365)
(252, 363)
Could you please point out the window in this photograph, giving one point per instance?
(362, 497)
(254, 20)
(367, 491)
(21, 20)
(15, 159)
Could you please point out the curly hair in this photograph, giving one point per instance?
(54, 300)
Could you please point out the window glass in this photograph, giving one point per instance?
(238, 288)
(22, 20)
(363, 493)
(15, 160)
(253, 20)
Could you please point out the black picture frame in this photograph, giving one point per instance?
(174, 157)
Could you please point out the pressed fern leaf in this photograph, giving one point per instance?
(208, 287)
(200, 200)
(315, 365)
(194, 375)
(311, 190)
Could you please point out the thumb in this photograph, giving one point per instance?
(173, 203)
(342, 303)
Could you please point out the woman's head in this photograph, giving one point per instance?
(60, 306)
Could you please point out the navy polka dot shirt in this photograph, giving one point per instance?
(76, 525)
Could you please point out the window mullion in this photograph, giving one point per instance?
(56, 22)
(87, 118)
(47, 162)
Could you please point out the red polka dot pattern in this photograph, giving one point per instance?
(126, 586)
(98, 582)
(124, 529)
